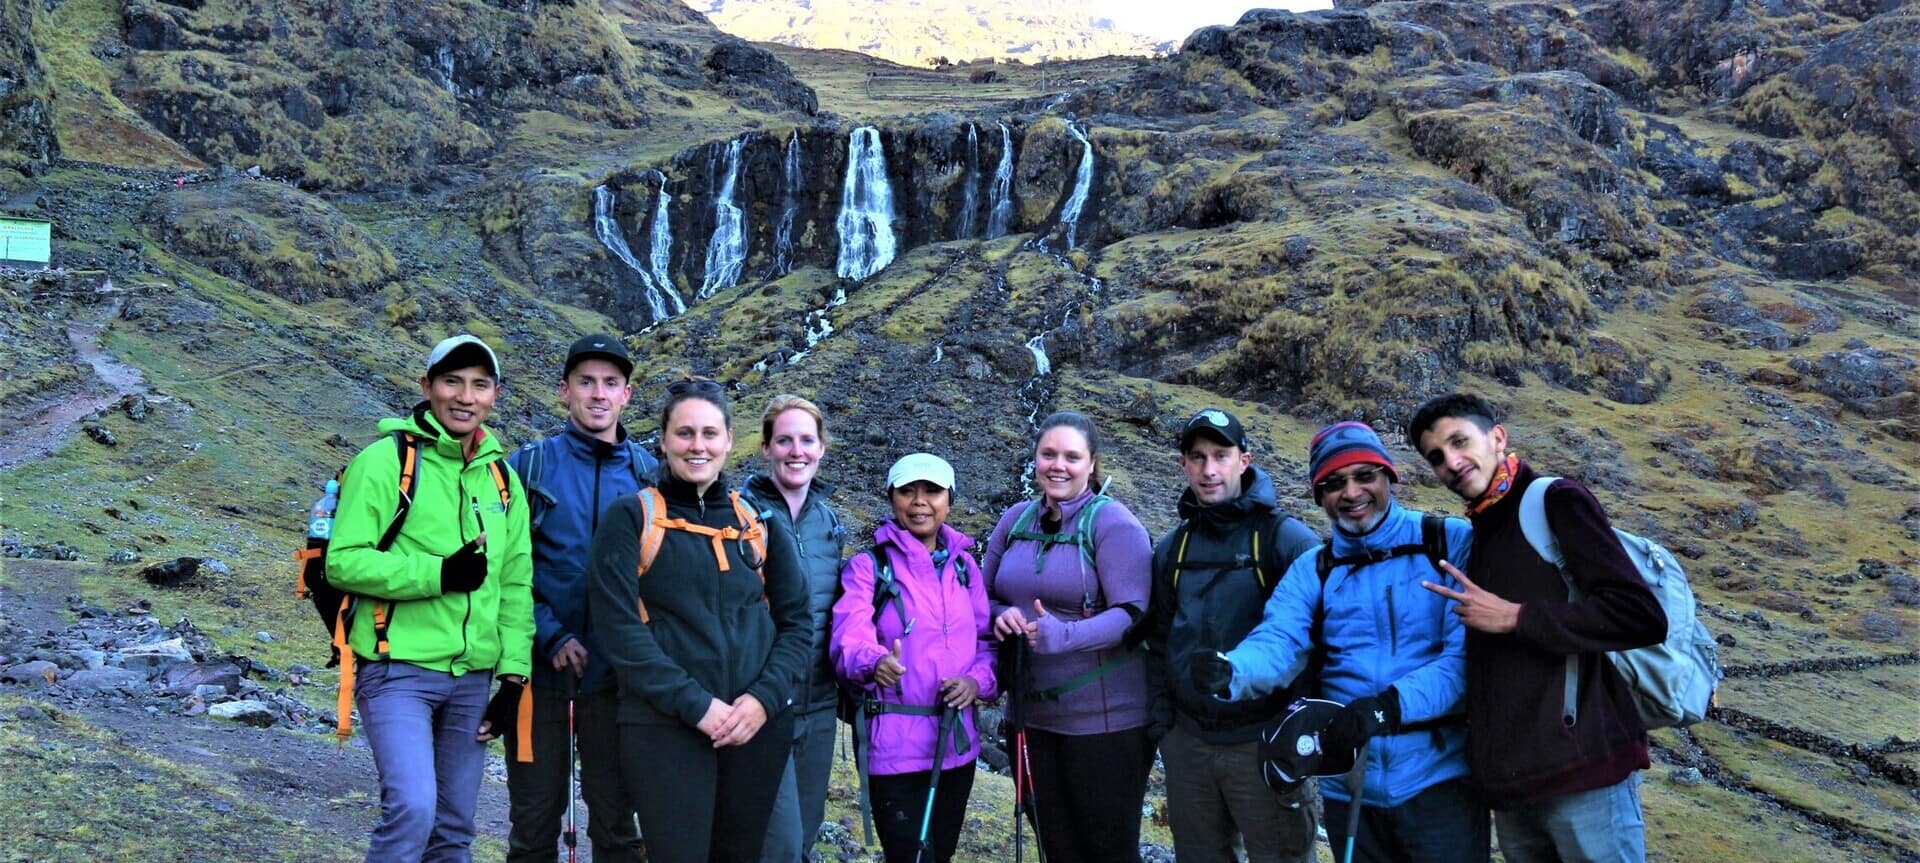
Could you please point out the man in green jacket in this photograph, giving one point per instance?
(442, 606)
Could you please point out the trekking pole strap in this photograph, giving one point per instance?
(1053, 693)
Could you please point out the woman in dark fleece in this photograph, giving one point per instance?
(703, 615)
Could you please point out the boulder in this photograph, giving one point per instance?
(96, 680)
(249, 712)
(33, 673)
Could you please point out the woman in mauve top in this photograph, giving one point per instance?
(1068, 574)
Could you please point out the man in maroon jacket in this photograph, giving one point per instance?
(1561, 774)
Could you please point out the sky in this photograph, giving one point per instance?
(1175, 19)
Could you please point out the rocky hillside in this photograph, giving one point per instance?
(933, 31)
(1676, 240)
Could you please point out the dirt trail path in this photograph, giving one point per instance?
(46, 427)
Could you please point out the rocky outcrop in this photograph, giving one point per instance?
(274, 238)
(26, 120)
(752, 76)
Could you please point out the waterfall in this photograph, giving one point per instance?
(727, 251)
(783, 233)
(662, 247)
(607, 229)
(866, 208)
(1000, 196)
(1082, 181)
(1041, 365)
(817, 326)
(970, 183)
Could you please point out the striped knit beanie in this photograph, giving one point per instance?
(1343, 444)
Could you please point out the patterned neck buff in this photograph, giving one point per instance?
(1502, 483)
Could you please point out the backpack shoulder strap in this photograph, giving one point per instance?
(408, 447)
(1185, 530)
(1433, 537)
(653, 508)
(1533, 521)
(753, 532)
(884, 589)
(1083, 527)
(498, 468)
(636, 457)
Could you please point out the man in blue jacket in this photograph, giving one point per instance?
(1393, 655)
(571, 478)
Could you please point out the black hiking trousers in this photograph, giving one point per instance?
(698, 803)
(900, 804)
(537, 791)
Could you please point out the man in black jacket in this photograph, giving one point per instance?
(1212, 575)
(1554, 741)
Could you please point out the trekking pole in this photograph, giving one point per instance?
(947, 716)
(571, 836)
(1024, 805)
(1356, 785)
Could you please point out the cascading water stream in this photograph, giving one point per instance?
(865, 224)
(1082, 182)
(607, 228)
(783, 233)
(1000, 194)
(970, 202)
(727, 250)
(660, 252)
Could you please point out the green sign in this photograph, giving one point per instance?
(25, 240)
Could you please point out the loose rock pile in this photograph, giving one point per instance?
(128, 658)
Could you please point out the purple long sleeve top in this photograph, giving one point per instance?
(1087, 613)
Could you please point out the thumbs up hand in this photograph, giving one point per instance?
(888, 671)
(466, 569)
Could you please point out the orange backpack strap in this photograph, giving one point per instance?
(500, 483)
(343, 706)
(523, 725)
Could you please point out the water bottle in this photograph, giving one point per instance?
(320, 524)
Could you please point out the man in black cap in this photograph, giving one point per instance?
(571, 476)
(1212, 574)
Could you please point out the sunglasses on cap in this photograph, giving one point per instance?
(1336, 484)
(698, 388)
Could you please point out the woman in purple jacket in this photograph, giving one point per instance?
(911, 633)
(1069, 573)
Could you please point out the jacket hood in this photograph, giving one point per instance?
(1256, 498)
(421, 423)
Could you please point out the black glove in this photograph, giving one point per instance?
(1212, 673)
(1360, 720)
(465, 570)
(504, 710)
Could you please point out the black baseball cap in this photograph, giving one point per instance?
(598, 347)
(1214, 423)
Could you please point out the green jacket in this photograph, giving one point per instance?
(490, 629)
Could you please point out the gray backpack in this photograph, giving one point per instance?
(1673, 681)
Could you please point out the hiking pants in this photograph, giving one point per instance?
(420, 725)
(1442, 822)
(698, 803)
(1214, 790)
(1599, 826)
(802, 803)
(1087, 793)
(900, 805)
(538, 791)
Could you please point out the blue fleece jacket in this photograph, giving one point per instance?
(580, 475)
(1381, 630)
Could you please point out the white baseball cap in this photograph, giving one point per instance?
(919, 466)
(461, 351)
